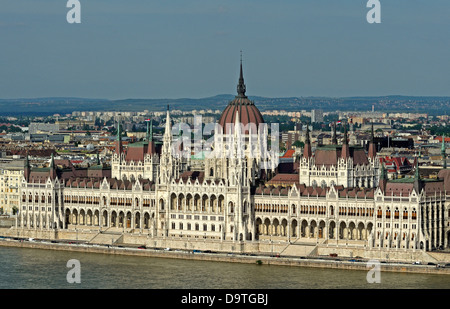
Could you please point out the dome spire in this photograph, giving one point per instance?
(241, 86)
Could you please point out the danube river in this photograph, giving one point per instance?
(47, 269)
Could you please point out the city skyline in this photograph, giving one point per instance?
(192, 49)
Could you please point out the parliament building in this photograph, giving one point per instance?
(338, 196)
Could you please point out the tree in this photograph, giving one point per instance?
(298, 144)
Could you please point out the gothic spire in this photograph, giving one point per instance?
(149, 134)
(119, 131)
(345, 142)
(417, 181)
(334, 142)
(52, 161)
(241, 86)
(444, 157)
(372, 136)
(372, 152)
(151, 130)
(307, 152)
(345, 147)
(416, 172)
(383, 178)
(27, 168)
(307, 140)
(119, 148)
(383, 171)
(168, 130)
(52, 168)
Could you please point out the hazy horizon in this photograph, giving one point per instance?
(191, 49)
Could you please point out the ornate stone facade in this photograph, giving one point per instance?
(339, 197)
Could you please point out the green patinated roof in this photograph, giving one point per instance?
(138, 144)
(96, 167)
(411, 180)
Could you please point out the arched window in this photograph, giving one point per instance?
(231, 207)
(388, 213)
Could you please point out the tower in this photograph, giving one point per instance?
(383, 178)
(52, 168)
(241, 88)
(345, 147)
(334, 140)
(119, 147)
(307, 151)
(116, 160)
(372, 152)
(27, 169)
(166, 160)
(444, 156)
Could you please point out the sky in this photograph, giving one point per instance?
(191, 48)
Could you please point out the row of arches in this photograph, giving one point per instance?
(313, 229)
(314, 210)
(105, 218)
(40, 221)
(40, 198)
(396, 214)
(196, 202)
(360, 182)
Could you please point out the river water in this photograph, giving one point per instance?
(47, 269)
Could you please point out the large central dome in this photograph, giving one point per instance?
(241, 105)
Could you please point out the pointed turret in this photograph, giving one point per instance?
(345, 147)
(151, 149)
(52, 168)
(241, 85)
(307, 152)
(27, 170)
(147, 135)
(168, 129)
(372, 152)
(417, 180)
(383, 178)
(444, 156)
(334, 141)
(119, 147)
(416, 170)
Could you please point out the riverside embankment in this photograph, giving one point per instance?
(319, 262)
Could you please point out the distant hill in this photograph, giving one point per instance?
(397, 103)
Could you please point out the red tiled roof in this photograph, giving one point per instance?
(288, 154)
